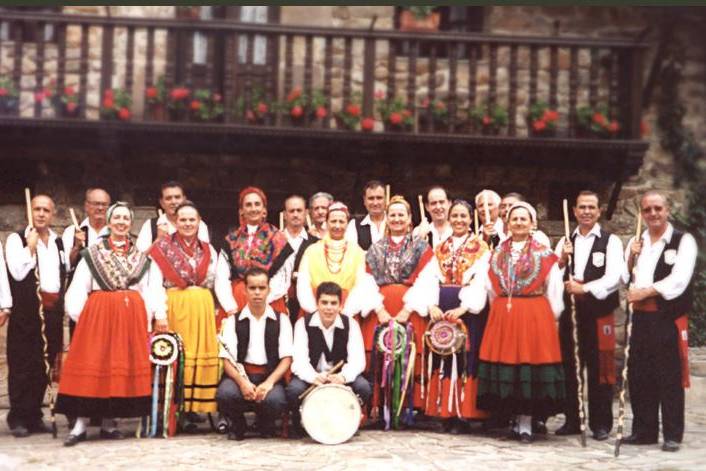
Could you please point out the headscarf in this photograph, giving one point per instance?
(116, 205)
(245, 192)
(523, 204)
(338, 206)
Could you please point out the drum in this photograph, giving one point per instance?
(331, 414)
(446, 337)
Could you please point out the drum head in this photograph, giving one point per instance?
(445, 337)
(164, 349)
(331, 414)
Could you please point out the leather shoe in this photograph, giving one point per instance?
(600, 434)
(567, 429)
(236, 434)
(635, 439)
(20, 431)
(525, 438)
(39, 427)
(539, 427)
(670, 445)
(72, 439)
(114, 434)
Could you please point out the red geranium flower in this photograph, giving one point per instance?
(294, 94)
(395, 118)
(249, 115)
(124, 114)
(425, 103)
(262, 108)
(195, 105)
(216, 97)
(614, 127)
(151, 92)
(539, 125)
(353, 109)
(108, 93)
(550, 115)
(3, 91)
(108, 102)
(379, 94)
(297, 111)
(367, 124)
(599, 119)
(321, 112)
(69, 91)
(486, 120)
(38, 96)
(179, 93)
(406, 113)
(47, 93)
(440, 105)
(71, 106)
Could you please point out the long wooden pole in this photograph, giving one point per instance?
(575, 333)
(387, 195)
(486, 209)
(28, 202)
(420, 200)
(475, 221)
(74, 220)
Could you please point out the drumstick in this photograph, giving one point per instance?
(475, 220)
(421, 206)
(73, 218)
(28, 201)
(336, 367)
(281, 221)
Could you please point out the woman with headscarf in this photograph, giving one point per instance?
(107, 371)
(520, 371)
(182, 278)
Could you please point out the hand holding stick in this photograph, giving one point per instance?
(335, 369)
(73, 219)
(421, 207)
(28, 201)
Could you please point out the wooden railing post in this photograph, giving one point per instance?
(632, 84)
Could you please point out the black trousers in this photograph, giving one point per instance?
(27, 378)
(600, 396)
(654, 377)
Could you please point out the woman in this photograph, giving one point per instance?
(181, 279)
(107, 371)
(520, 370)
(335, 259)
(255, 243)
(395, 261)
(447, 289)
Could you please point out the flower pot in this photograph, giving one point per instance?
(157, 112)
(390, 127)
(409, 22)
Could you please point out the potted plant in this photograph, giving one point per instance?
(9, 97)
(434, 112)
(206, 106)
(319, 107)
(156, 99)
(116, 104)
(257, 111)
(178, 103)
(595, 122)
(488, 120)
(349, 117)
(66, 103)
(296, 106)
(419, 18)
(542, 120)
(394, 113)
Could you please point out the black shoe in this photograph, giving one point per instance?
(20, 431)
(539, 428)
(670, 445)
(635, 439)
(567, 429)
(72, 439)
(39, 427)
(266, 431)
(601, 434)
(195, 418)
(236, 434)
(453, 426)
(190, 427)
(222, 426)
(525, 438)
(114, 434)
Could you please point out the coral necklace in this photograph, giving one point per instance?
(334, 252)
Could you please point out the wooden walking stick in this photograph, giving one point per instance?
(575, 335)
(626, 353)
(421, 207)
(387, 195)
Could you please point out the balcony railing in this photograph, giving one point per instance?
(89, 68)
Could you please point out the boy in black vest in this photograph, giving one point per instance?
(596, 267)
(661, 293)
(260, 341)
(321, 340)
(34, 333)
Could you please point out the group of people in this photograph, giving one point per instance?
(273, 311)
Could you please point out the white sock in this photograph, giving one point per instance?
(525, 424)
(109, 425)
(79, 426)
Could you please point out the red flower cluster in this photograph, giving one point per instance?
(151, 92)
(3, 91)
(294, 94)
(601, 120)
(353, 109)
(41, 95)
(124, 114)
(179, 93)
(195, 105)
(108, 99)
(548, 117)
(297, 111)
(321, 112)
(367, 124)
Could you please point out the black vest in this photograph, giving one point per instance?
(317, 343)
(365, 238)
(242, 331)
(292, 301)
(680, 305)
(597, 307)
(24, 292)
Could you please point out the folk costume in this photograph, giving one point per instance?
(107, 371)
(395, 262)
(520, 370)
(658, 366)
(148, 232)
(447, 281)
(182, 279)
(5, 293)
(32, 342)
(597, 264)
(364, 232)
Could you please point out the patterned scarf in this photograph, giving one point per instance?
(266, 244)
(525, 275)
(171, 254)
(454, 263)
(391, 263)
(114, 271)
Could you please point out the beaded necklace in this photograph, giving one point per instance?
(332, 249)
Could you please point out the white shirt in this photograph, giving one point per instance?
(612, 260)
(256, 354)
(279, 282)
(144, 239)
(297, 240)
(20, 262)
(540, 237)
(5, 295)
(375, 233)
(83, 283)
(68, 235)
(301, 365)
(683, 262)
(439, 237)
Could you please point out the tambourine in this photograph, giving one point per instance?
(445, 337)
(164, 349)
(386, 335)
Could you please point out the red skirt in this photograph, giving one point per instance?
(241, 298)
(464, 398)
(393, 304)
(107, 371)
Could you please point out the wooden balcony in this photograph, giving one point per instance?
(244, 77)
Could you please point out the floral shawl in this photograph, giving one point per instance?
(112, 271)
(453, 264)
(175, 266)
(527, 275)
(267, 243)
(391, 263)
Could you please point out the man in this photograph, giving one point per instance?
(33, 342)
(318, 209)
(492, 232)
(259, 340)
(371, 228)
(596, 267)
(663, 260)
(438, 206)
(321, 340)
(289, 258)
(95, 206)
(171, 196)
(506, 203)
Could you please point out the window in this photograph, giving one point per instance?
(30, 31)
